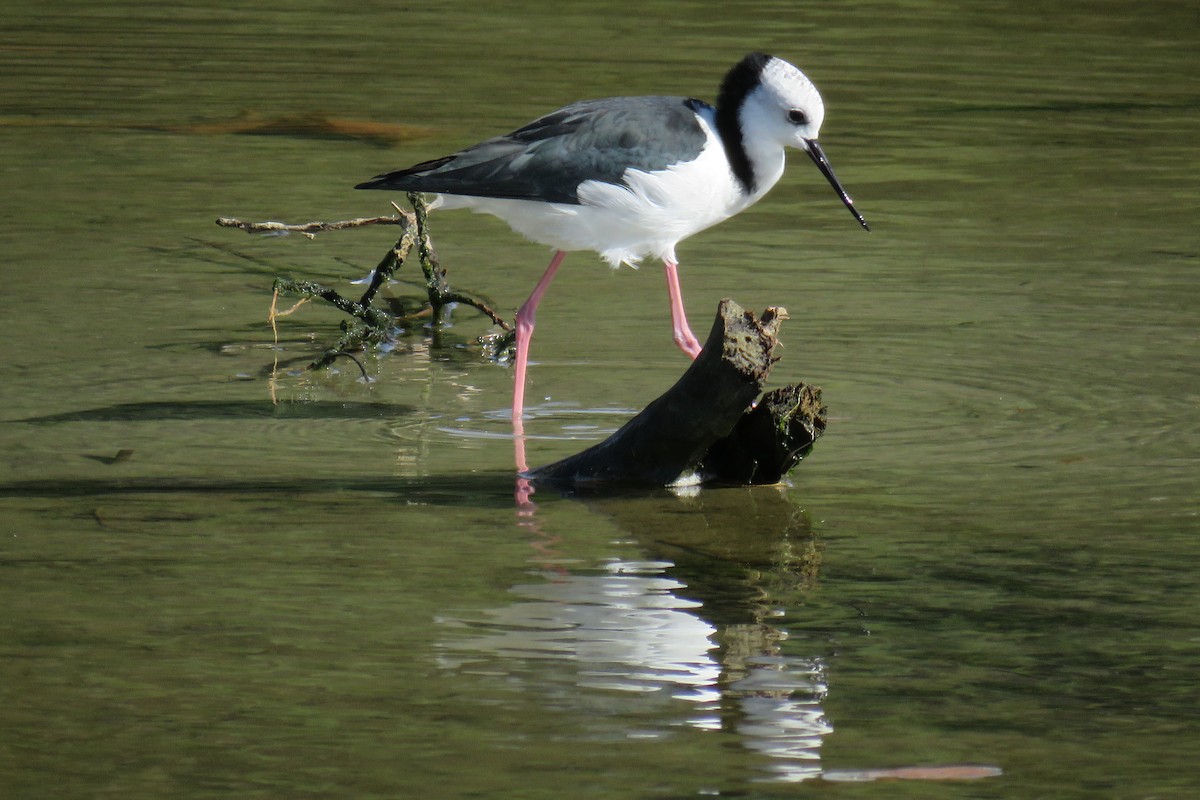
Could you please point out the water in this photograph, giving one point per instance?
(987, 560)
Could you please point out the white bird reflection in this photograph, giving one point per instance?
(626, 629)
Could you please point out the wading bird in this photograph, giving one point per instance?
(631, 177)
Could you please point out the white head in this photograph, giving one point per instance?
(784, 105)
(766, 103)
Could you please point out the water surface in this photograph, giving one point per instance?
(225, 576)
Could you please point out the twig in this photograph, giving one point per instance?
(440, 294)
(353, 339)
(310, 229)
(431, 267)
(451, 296)
(368, 314)
(274, 314)
(361, 368)
(391, 262)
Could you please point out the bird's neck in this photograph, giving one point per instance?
(729, 128)
(756, 161)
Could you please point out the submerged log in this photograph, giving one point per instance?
(707, 425)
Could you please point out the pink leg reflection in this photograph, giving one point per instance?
(524, 489)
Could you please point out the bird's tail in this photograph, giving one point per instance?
(411, 179)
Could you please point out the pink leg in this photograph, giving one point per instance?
(683, 334)
(525, 319)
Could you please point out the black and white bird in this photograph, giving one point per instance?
(631, 177)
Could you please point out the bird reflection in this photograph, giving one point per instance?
(681, 631)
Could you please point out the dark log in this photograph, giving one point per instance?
(769, 440)
(708, 424)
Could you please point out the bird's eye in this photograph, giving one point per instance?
(797, 117)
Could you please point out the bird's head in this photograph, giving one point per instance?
(782, 104)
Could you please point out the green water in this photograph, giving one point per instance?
(989, 559)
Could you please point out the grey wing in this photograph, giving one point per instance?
(548, 158)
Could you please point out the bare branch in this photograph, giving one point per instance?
(374, 324)
(310, 229)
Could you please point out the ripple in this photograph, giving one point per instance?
(546, 422)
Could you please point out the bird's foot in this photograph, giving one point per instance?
(688, 343)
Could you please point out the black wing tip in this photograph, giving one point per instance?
(402, 179)
(390, 180)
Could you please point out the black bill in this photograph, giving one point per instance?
(818, 156)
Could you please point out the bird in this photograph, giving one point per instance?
(632, 177)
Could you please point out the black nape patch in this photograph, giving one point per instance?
(739, 82)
